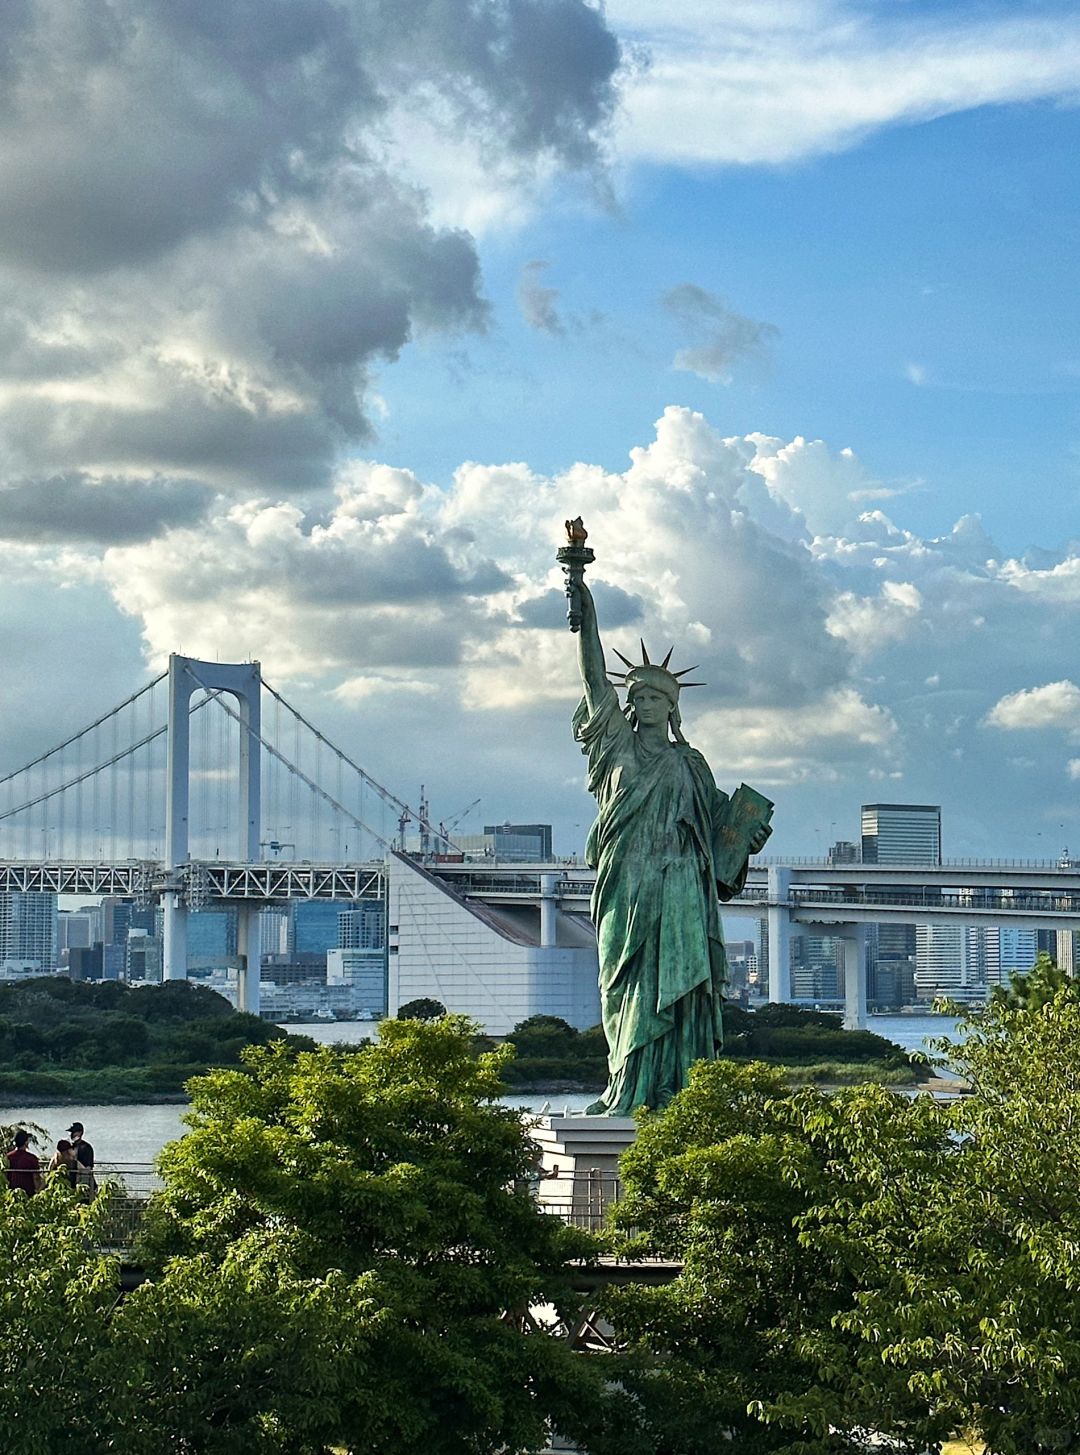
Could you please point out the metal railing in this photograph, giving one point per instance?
(581, 1199)
(930, 897)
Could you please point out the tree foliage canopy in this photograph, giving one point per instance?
(343, 1244)
(393, 1177)
(424, 1009)
(89, 1039)
(862, 1266)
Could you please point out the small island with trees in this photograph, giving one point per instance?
(106, 1042)
(807, 1046)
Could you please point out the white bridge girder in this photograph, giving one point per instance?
(198, 883)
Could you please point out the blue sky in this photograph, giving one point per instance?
(306, 354)
(942, 253)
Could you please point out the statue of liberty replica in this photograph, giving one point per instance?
(667, 844)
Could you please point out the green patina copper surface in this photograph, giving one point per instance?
(666, 844)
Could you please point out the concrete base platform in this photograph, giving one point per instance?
(579, 1175)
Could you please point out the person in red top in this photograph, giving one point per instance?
(24, 1169)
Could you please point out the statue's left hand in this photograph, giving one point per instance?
(759, 838)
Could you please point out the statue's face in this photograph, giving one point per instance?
(651, 707)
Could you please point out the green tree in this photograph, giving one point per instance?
(1041, 984)
(973, 1300)
(423, 1009)
(62, 1387)
(544, 1035)
(377, 1194)
(209, 1359)
(748, 1343)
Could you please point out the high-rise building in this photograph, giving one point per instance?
(897, 833)
(817, 967)
(120, 915)
(28, 932)
(901, 833)
(274, 929)
(78, 929)
(314, 926)
(1065, 950)
(144, 957)
(363, 970)
(85, 963)
(959, 961)
(1019, 948)
(211, 938)
(363, 927)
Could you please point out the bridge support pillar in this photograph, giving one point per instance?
(249, 950)
(174, 954)
(241, 680)
(853, 939)
(779, 919)
(548, 909)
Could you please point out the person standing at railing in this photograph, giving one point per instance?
(24, 1169)
(65, 1160)
(84, 1155)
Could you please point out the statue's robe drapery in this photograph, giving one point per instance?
(660, 940)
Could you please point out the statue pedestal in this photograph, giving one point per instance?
(579, 1173)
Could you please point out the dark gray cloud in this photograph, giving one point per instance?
(129, 125)
(718, 337)
(410, 568)
(539, 304)
(204, 252)
(615, 607)
(77, 508)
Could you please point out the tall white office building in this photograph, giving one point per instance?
(901, 833)
(27, 933)
(966, 962)
(958, 961)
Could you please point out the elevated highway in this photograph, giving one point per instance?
(835, 899)
(793, 896)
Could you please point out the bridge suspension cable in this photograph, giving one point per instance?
(84, 732)
(298, 773)
(119, 755)
(389, 798)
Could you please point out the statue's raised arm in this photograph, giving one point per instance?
(665, 839)
(581, 613)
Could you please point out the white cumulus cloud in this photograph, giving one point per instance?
(1055, 705)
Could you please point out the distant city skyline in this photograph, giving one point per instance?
(310, 340)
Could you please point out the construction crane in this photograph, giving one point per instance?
(446, 826)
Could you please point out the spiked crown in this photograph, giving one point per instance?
(651, 674)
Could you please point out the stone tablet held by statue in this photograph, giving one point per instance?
(667, 844)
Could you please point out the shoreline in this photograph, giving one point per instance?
(163, 1098)
(561, 1087)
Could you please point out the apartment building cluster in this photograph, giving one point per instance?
(914, 965)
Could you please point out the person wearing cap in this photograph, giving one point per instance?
(24, 1169)
(84, 1156)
